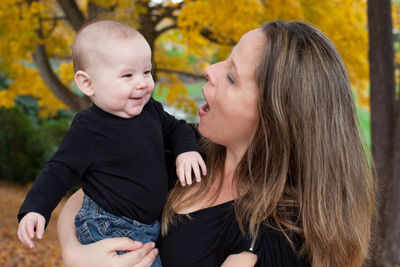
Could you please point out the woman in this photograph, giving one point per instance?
(288, 184)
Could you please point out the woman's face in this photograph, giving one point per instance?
(230, 115)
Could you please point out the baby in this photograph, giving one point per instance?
(116, 147)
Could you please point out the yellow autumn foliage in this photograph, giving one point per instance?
(222, 21)
(343, 21)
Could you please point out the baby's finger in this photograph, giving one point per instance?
(20, 235)
(40, 228)
(181, 174)
(26, 239)
(188, 174)
(196, 171)
(203, 166)
(30, 226)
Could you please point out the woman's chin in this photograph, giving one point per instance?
(202, 129)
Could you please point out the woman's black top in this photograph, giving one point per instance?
(210, 235)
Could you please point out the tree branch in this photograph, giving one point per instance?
(53, 26)
(173, 26)
(180, 72)
(207, 33)
(53, 18)
(62, 92)
(161, 12)
(74, 15)
(168, 11)
(97, 11)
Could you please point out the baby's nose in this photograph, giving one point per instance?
(140, 85)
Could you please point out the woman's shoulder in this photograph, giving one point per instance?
(274, 249)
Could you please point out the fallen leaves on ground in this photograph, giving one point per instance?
(12, 252)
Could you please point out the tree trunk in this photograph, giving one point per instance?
(385, 130)
(62, 92)
(73, 14)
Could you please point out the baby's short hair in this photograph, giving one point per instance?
(94, 34)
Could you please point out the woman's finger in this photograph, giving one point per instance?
(134, 258)
(148, 259)
(120, 244)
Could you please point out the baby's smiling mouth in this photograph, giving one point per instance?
(136, 98)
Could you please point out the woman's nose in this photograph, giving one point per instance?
(209, 73)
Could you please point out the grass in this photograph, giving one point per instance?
(365, 121)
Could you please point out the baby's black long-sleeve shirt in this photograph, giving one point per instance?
(119, 162)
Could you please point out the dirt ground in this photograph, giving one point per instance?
(12, 252)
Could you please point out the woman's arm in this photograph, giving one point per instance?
(243, 259)
(101, 253)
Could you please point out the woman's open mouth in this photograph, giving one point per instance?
(204, 109)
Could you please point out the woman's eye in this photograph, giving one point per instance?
(129, 75)
(230, 78)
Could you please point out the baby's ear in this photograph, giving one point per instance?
(84, 82)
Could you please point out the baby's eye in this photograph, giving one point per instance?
(147, 72)
(230, 78)
(129, 75)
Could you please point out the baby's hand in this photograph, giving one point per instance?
(187, 161)
(26, 228)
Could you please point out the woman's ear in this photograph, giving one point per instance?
(84, 82)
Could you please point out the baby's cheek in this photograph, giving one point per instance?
(151, 86)
(147, 98)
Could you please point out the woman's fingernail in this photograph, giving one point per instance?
(155, 251)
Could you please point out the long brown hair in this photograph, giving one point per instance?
(306, 169)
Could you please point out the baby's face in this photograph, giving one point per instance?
(120, 71)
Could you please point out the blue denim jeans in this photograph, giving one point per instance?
(93, 223)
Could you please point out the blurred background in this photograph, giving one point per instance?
(38, 97)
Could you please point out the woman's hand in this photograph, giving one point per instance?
(101, 253)
(243, 259)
